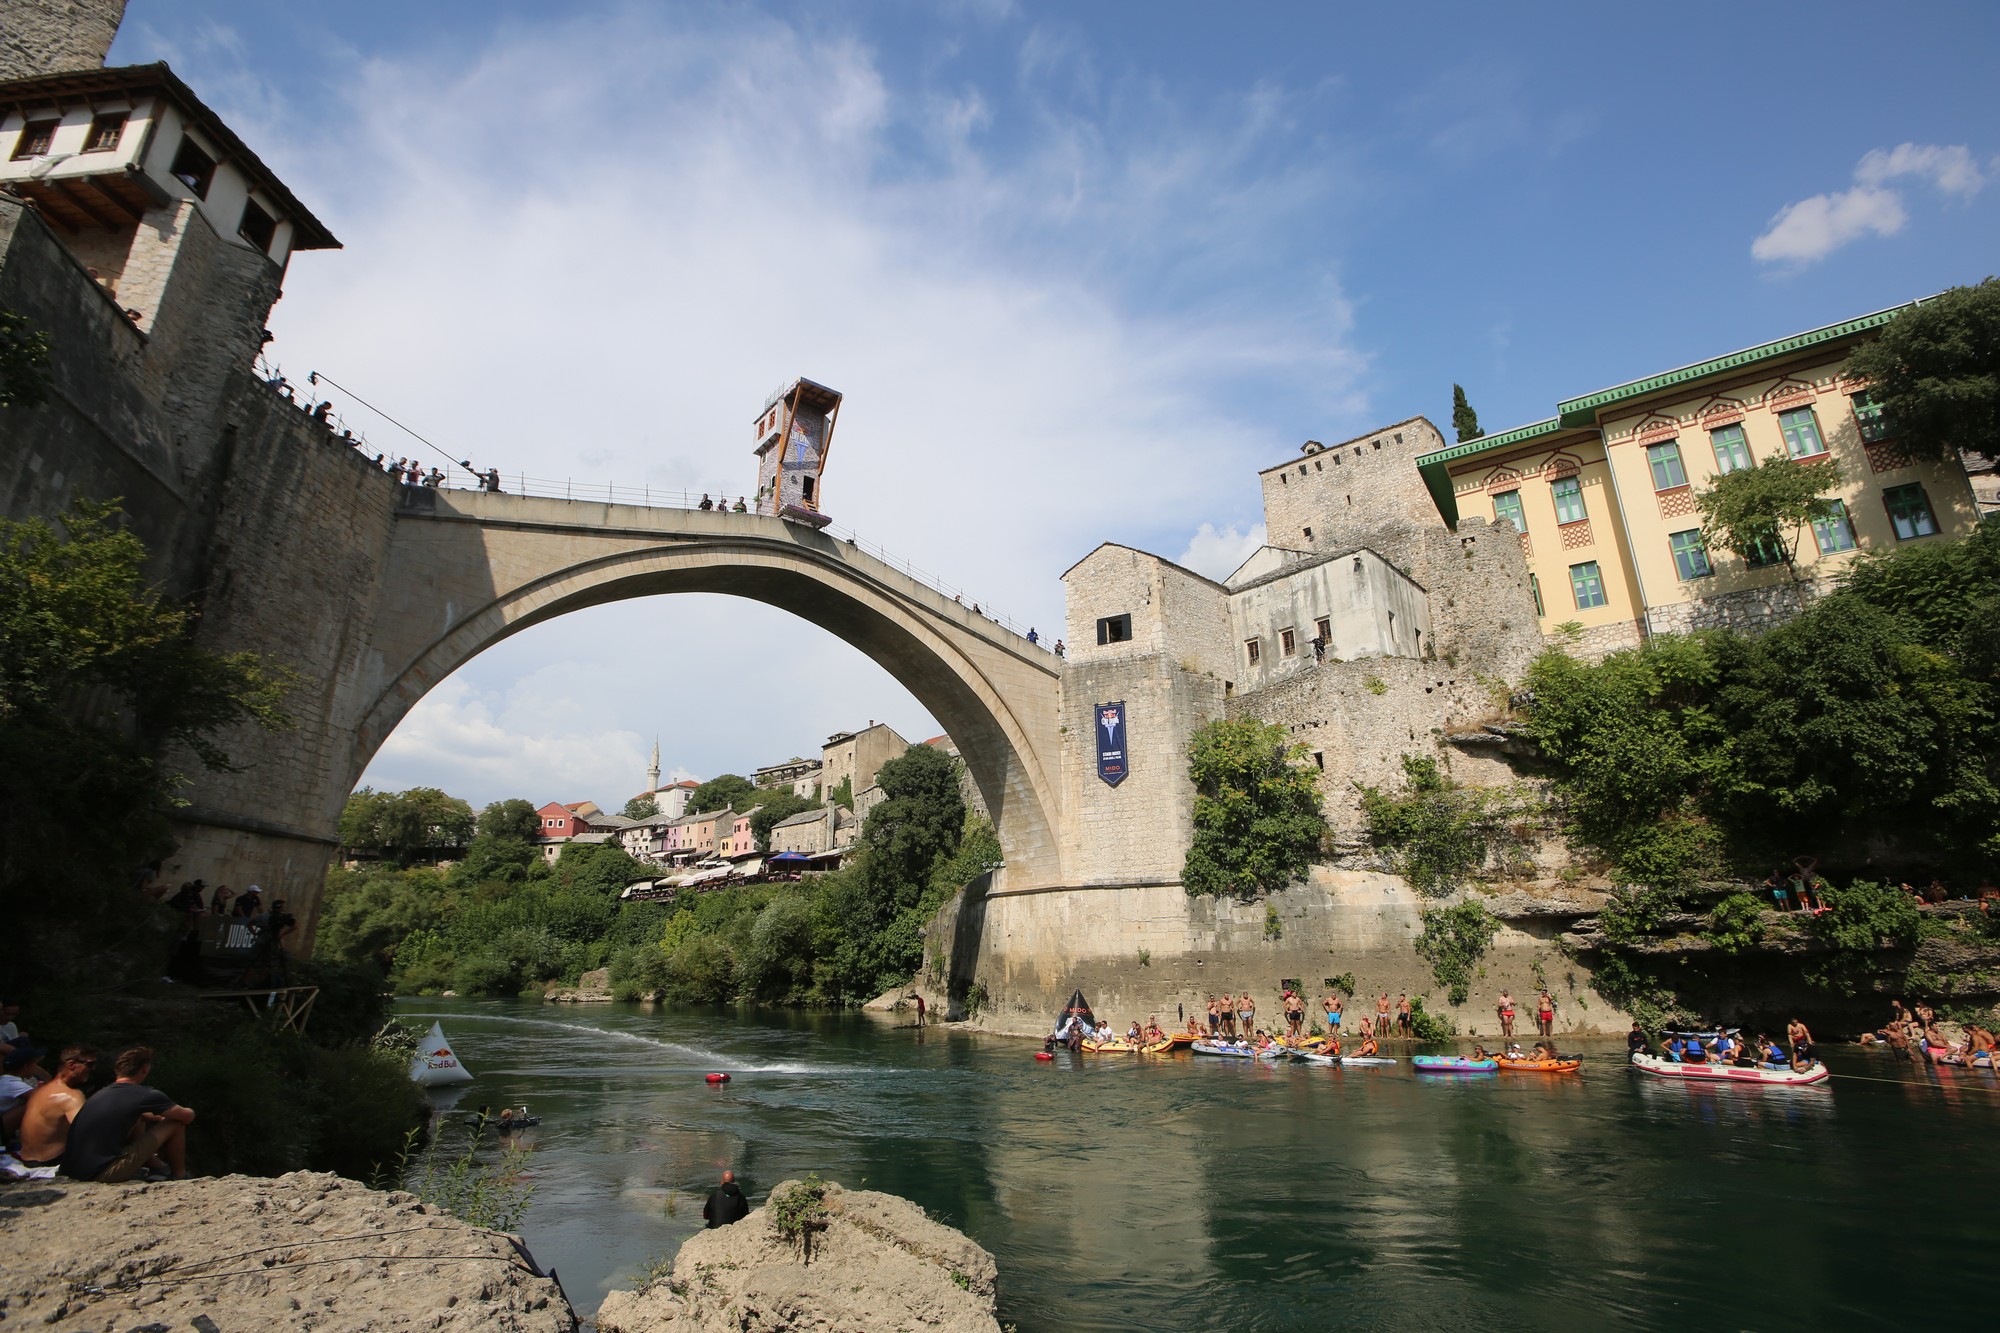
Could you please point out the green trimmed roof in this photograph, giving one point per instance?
(1435, 468)
(1584, 411)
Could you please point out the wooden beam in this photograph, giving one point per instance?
(126, 206)
(76, 199)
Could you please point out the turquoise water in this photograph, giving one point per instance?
(1131, 1192)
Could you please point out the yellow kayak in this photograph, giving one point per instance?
(1119, 1046)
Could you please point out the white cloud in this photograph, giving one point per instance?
(1814, 228)
(1951, 169)
(1217, 554)
(587, 248)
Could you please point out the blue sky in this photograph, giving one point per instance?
(1081, 269)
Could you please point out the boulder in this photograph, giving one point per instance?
(303, 1250)
(874, 1264)
(888, 1001)
(590, 988)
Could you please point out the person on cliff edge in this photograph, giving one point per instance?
(726, 1203)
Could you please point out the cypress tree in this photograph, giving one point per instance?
(1463, 419)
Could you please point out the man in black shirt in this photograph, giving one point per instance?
(726, 1203)
(124, 1126)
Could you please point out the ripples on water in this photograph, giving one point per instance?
(1122, 1192)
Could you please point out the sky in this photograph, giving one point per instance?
(1081, 271)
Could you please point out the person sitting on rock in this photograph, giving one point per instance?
(127, 1127)
(50, 1108)
(726, 1203)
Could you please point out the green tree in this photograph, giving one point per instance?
(24, 359)
(408, 825)
(1935, 371)
(719, 793)
(843, 794)
(641, 807)
(1437, 834)
(515, 818)
(99, 675)
(1257, 818)
(782, 805)
(1464, 421)
(1762, 512)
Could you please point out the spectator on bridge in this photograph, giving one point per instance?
(1032, 636)
(491, 481)
(739, 507)
(397, 470)
(128, 1127)
(436, 477)
(323, 411)
(249, 905)
(218, 902)
(1059, 648)
(706, 503)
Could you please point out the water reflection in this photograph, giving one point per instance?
(1187, 1193)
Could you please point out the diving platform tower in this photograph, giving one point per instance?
(794, 432)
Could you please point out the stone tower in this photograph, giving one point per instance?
(55, 36)
(794, 432)
(653, 772)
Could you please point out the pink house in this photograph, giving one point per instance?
(742, 841)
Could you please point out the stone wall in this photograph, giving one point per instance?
(55, 36)
(1155, 951)
(1362, 492)
(1138, 831)
(1748, 611)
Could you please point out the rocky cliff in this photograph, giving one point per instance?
(300, 1251)
(854, 1262)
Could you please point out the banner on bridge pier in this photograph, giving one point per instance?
(1111, 745)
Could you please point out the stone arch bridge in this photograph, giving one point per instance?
(463, 570)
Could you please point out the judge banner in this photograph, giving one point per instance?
(1111, 742)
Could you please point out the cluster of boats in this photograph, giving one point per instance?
(1320, 1050)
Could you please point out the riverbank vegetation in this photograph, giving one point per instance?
(102, 686)
(1856, 744)
(503, 922)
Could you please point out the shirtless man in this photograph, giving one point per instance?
(1403, 1018)
(1295, 1015)
(1802, 1044)
(1246, 1013)
(1335, 1006)
(1382, 1016)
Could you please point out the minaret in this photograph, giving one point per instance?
(653, 773)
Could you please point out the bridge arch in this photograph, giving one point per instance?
(473, 569)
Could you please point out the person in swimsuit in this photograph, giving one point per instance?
(1214, 1019)
(1382, 1015)
(1802, 1044)
(1246, 1012)
(1404, 1021)
(1479, 1052)
(1545, 1015)
(1367, 1028)
(1506, 1011)
(1334, 1008)
(1368, 1046)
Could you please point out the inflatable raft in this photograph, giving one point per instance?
(1542, 1066)
(1453, 1064)
(1241, 1050)
(1719, 1073)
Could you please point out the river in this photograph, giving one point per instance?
(1132, 1192)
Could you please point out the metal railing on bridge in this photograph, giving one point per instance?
(461, 476)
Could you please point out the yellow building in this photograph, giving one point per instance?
(1603, 492)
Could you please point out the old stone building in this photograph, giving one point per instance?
(854, 757)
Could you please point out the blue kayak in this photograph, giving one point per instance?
(1452, 1064)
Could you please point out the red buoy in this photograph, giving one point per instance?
(718, 1078)
(1043, 1055)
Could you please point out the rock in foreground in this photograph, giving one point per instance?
(875, 1265)
(301, 1251)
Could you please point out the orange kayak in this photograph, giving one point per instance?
(1543, 1066)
